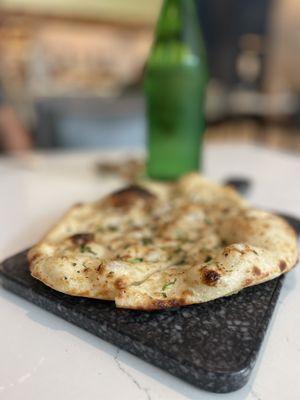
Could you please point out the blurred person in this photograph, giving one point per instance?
(14, 137)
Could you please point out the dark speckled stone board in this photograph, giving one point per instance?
(213, 345)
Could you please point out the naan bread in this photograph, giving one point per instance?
(164, 245)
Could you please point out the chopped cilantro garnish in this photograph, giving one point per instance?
(181, 262)
(208, 221)
(164, 294)
(167, 285)
(146, 241)
(182, 237)
(112, 228)
(84, 248)
(135, 260)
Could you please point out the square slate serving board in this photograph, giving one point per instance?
(212, 345)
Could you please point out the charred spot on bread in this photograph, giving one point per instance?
(248, 282)
(126, 197)
(256, 271)
(210, 277)
(82, 238)
(163, 304)
(32, 257)
(187, 293)
(119, 284)
(100, 269)
(282, 265)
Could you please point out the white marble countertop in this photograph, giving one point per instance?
(44, 357)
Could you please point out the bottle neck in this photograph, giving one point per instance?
(177, 21)
(178, 40)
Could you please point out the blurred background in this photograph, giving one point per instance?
(71, 72)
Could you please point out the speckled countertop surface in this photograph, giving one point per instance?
(46, 357)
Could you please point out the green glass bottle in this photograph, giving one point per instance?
(174, 84)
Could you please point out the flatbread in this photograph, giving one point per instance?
(156, 246)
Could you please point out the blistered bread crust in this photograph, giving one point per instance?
(156, 246)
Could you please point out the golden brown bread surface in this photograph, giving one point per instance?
(164, 245)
